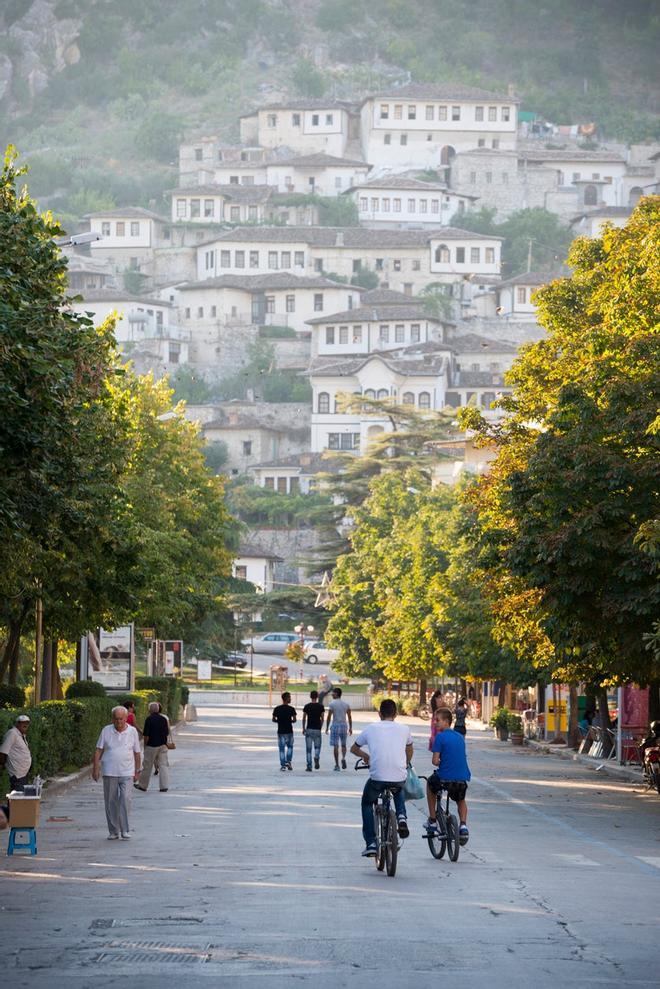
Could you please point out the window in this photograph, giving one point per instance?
(299, 259)
(397, 205)
(233, 179)
(357, 334)
(478, 113)
(208, 207)
(396, 264)
(364, 204)
(590, 196)
(414, 332)
(209, 258)
(460, 255)
(374, 204)
(398, 111)
(490, 255)
(403, 139)
(496, 143)
(408, 398)
(424, 400)
(475, 255)
(105, 227)
(369, 393)
(489, 178)
(121, 229)
(324, 403)
(269, 482)
(411, 205)
(225, 259)
(285, 260)
(187, 312)
(379, 264)
(487, 399)
(239, 259)
(318, 264)
(290, 303)
(387, 139)
(252, 213)
(195, 208)
(473, 178)
(442, 113)
(595, 176)
(281, 485)
(435, 205)
(214, 312)
(399, 333)
(272, 260)
(416, 264)
(330, 335)
(442, 254)
(386, 204)
(384, 111)
(382, 393)
(315, 120)
(333, 441)
(343, 335)
(430, 112)
(294, 485)
(338, 181)
(241, 572)
(423, 206)
(506, 113)
(254, 259)
(356, 266)
(492, 113)
(505, 178)
(521, 294)
(318, 302)
(234, 214)
(295, 120)
(272, 120)
(412, 112)
(270, 304)
(247, 448)
(200, 312)
(135, 229)
(329, 119)
(199, 153)
(456, 113)
(575, 177)
(384, 334)
(481, 143)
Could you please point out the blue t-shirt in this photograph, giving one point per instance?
(453, 761)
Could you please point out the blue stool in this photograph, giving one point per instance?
(31, 842)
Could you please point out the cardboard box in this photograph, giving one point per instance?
(23, 811)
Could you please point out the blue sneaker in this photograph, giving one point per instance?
(370, 851)
(463, 834)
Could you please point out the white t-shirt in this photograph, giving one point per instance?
(118, 748)
(386, 741)
(15, 747)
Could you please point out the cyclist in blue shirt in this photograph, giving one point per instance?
(452, 772)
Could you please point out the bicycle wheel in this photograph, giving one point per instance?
(453, 844)
(391, 844)
(438, 841)
(380, 837)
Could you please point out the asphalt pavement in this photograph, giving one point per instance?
(243, 876)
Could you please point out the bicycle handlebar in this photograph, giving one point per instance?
(361, 764)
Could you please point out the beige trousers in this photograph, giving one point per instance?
(151, 752)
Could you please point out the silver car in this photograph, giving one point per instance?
(273, 642)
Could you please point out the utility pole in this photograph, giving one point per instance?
(529, 255)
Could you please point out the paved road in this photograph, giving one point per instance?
(242, 876)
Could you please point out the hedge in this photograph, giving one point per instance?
(172, 693)
(11, 695)
(85, 688)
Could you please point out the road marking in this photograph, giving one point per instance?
(576, 859)
(653, 860)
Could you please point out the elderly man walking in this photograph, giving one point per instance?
(15, 753)
(117, 758)
(156, 731)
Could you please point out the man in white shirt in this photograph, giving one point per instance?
(15, 753)
(117, 758)
(390, 750)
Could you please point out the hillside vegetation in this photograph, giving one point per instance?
(97, 93)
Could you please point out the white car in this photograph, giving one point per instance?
(318, 652)
(273, 642)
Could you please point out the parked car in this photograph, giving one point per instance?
(318, 652)
(234, 660)
(273, 642)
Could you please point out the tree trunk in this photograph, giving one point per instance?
(56, 692)
(422, 690)
(12, 646)
(501, 697)
(46, 670)
(573, 732)
(605, 722)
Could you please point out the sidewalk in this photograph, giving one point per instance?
(632, 774)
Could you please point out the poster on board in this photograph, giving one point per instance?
(110, 656)
(204, 669)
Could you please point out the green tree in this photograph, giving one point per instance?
(307, 79)
(532, 237)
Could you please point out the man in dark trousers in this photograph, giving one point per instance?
(285, 716)
(156, 731)
(312, 729)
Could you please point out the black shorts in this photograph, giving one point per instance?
(455, 788)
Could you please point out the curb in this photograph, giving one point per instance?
(625, 773)
(59, 784)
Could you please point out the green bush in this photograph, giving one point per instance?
(11, 696)
(85, 688)
(500, 718)
(377, 698)
(142, 699)
(169, 690)
(514, 723)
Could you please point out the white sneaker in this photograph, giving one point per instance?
(126, 837)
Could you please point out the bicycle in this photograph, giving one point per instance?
(387, 835)
(446, 839)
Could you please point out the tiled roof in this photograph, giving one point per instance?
(255, 551)
(474, 343)
(530, 278)
(386, 297)
(300, 105)
(400, 182)
(308, 463)
(126, 212)
(350, 237)
(257, 283)
(429, 364)
(239, 193)
(440, 91)
(321, 160)
(116, 295)
(603, 211)
(480, 379)
(376, 314)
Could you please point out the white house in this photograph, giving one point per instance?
(475, 352)
(514, 295)
(221, 203)
(254, 434)
(255, 564)
(417, 376)
(400, 201)
(297, 474)
(305, 126)
(321, 174)
(87, 274)
(423, 125)
(128, 235)
(373, 328)
(596, 175)
(590, 222)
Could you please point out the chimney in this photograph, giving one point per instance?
(339, 240)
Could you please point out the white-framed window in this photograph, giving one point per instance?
(364, 204)
(199, 153)
(254, 259)
(490, 255)
(357, 334)
(415, 332)
(521, 294)
(384, 111)
(396, 264)
(343, 335)
(382, 393)
(384, 333)
(208, 207)
(290, 303)
(475, 255)
(442, 254)
(209, 259)
(456, 113)
(424, 400)
(386, 204)
(329, 119)
(430, 112)
(416, 264)
(135, 228)
(225, 259)
(435, 205)
(478, 113)
(489, 178)
(271, 120)
(295, 120)
(495, 143)
(214, 312)
(374, 204)
(397, 205)
(299, 259)
(492, 113)
(387, 139)
(506, 113)
(338, 182)
(270, 304)
(121, 229)
(408, 398)
(239, 259)
(253, 213)
(411, 205)
(285, 260)
(318, 302)
(412, 111)
(473, 178)
(234, 214)
(398, 111)
(423, 206)
(200, 312)
(403, 140)
(323, 405)
(481, 142)
(399, 333)
(105, 226)
(273, 262)
(330, 335)
(315, 120)
(460, 255)
(442, 113)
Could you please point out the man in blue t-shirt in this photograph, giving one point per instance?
(452, 772)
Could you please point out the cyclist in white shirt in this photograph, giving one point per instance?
(390, 750)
